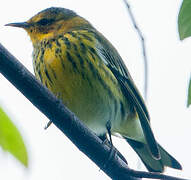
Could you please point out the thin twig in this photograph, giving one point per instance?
(67, 122)
(143, 47)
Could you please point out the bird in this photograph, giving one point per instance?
(85, 71)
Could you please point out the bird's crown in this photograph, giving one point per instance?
(52, 14)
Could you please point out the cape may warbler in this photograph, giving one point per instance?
(82, 68)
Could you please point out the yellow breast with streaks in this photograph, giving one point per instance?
(71, 68)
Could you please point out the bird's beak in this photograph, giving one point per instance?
(23, 25)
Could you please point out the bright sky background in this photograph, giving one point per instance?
(51, 154)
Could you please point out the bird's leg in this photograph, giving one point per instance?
(58, 95)
(107, 142)
(112, 149)
(48, 124)
(108, 127)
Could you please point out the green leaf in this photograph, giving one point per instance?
(189, 94)
(184, 20)
(11, 140)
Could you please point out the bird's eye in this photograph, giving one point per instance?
(44, 22)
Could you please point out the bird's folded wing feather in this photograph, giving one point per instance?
(115, 63)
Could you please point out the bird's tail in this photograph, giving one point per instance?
(149, 161)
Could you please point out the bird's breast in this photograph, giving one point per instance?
(76, 75)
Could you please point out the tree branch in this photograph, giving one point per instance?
(67, 122)
(140, 34)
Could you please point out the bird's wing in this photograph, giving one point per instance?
(114, 62)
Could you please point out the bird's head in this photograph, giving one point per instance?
(51, 22)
